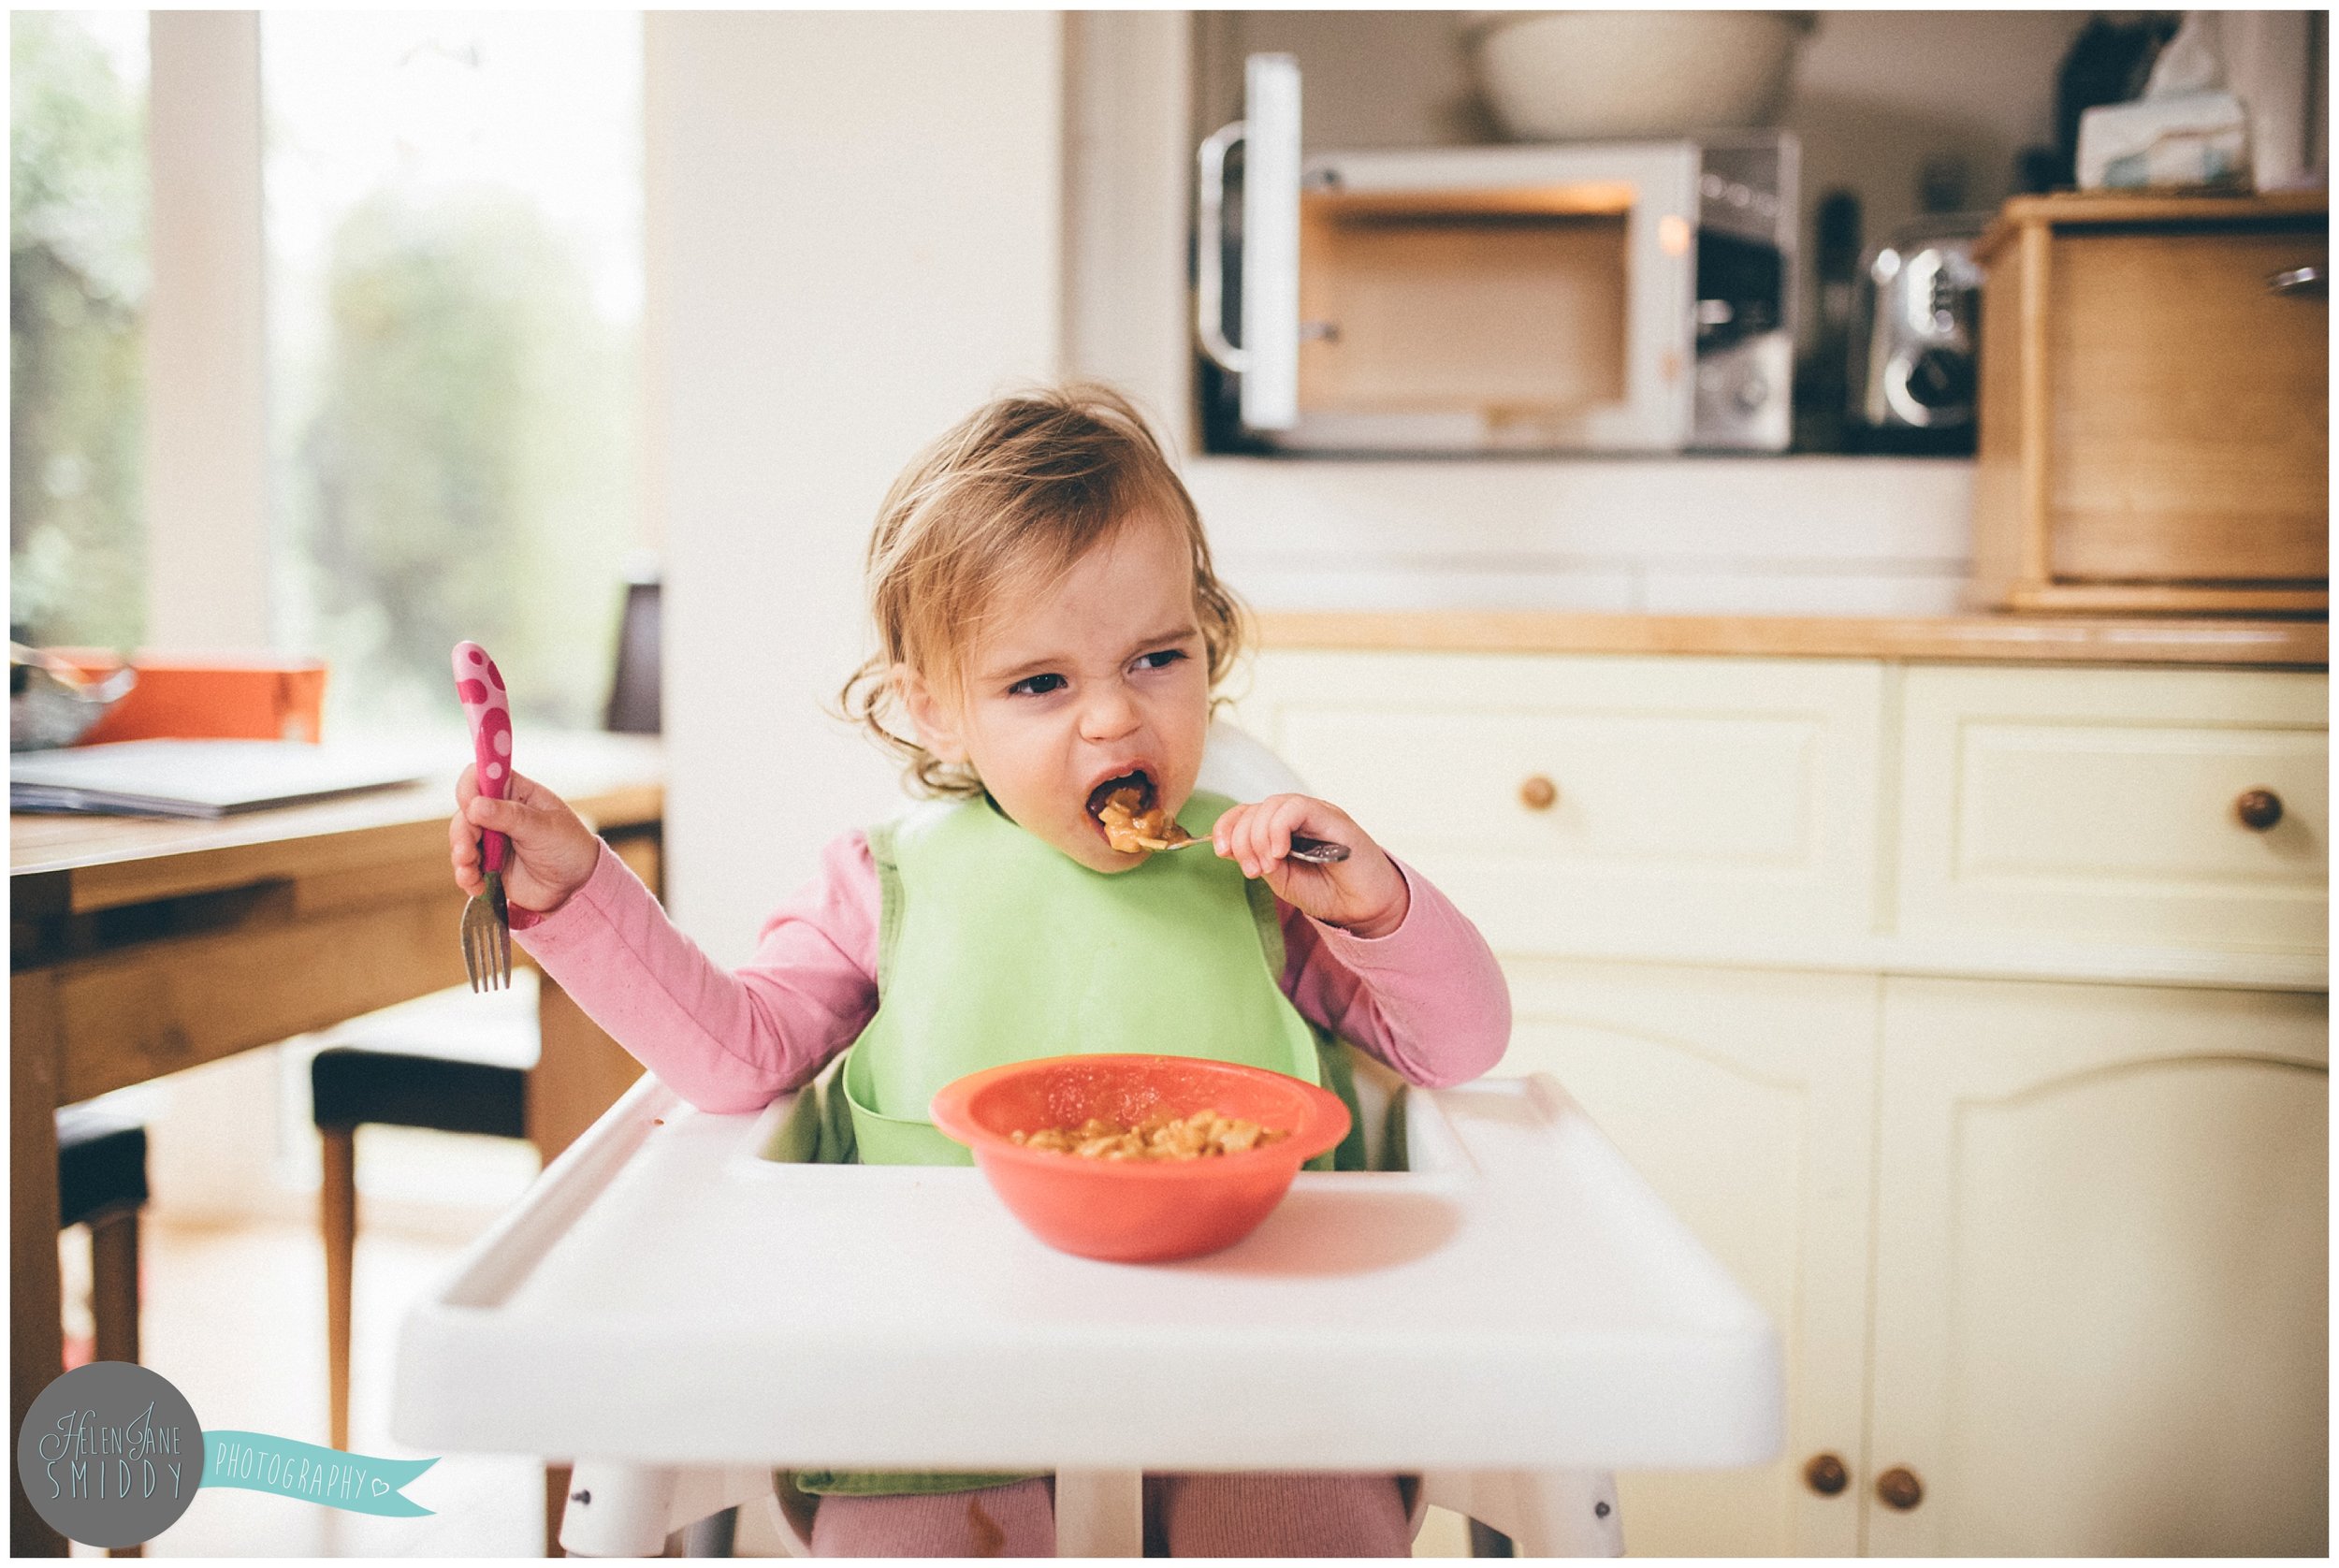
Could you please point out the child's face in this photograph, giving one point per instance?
(1084, 681)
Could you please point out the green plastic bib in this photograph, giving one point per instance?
(994, 947)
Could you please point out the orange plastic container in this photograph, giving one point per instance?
(198, 698)
(1137, 1211)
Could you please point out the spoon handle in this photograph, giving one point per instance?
(1314, 851)
(1317, 851)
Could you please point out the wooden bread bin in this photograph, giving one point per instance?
(2155, 409)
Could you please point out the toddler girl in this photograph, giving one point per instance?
(1051, 630)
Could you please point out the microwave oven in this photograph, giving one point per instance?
(1581, 297)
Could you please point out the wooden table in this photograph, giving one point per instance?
(139, 947)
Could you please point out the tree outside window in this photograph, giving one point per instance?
(453, 228)
(77, 288)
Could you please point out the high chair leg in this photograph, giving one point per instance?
(1100, 1513)
(1547, 1512)
(712, 1536)
(337, 1214)
(615, 1509)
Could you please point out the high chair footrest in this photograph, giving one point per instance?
(628, 1510)
(1546, 1513)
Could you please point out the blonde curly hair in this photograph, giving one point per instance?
(1006, 500)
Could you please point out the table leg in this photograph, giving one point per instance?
(556, 1502)
(36, 1296)
(580, 1072)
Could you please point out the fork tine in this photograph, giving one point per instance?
(504, 941)
(470, 954)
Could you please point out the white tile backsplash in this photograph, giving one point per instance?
(1811, 593)
(1331, 584)
(1713, 535)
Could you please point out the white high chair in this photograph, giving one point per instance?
(1631, 1341)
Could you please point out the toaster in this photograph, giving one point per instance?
(1915, 338)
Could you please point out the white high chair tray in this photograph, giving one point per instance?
(1520, 1298)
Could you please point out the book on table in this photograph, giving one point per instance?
(198, 777)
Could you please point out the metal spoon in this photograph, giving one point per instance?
(1315, 852)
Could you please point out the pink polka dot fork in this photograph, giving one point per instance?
(486, 929)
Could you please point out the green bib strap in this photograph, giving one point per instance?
(903, 1483)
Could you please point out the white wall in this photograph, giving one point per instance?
(1768, 535)
(1127, 200)
(206, 566)
(853, 239)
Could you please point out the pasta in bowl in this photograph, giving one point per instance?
(1138, 1158)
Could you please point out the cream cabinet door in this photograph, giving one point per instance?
(2102, 1304)
(1746, 1099)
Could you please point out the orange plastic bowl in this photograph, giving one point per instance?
(1137, 1211)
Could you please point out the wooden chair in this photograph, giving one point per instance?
(352, 1086)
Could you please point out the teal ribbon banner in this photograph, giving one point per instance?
(361, 1485)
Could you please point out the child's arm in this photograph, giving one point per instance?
(723, 1040)
(1372, 950)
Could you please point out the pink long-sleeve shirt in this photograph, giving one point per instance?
(1428, 999)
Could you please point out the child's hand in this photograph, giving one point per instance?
(1364, 894)
(552, 854)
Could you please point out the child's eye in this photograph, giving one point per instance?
(1161, 661)
(1036, 686)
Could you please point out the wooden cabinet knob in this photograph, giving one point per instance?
(1539, 794)
(1898, 1488)
(2260, 809)
(1826, 1475)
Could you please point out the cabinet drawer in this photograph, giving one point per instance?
(2098, 808)
(1695, 806)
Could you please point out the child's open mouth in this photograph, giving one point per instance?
(1129, 815)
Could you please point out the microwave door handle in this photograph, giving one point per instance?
(1209, 241)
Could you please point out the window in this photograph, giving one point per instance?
(77, 288)
(454, 229)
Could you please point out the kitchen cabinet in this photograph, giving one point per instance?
(1748, 1100)
(2101, 1248)
(2155, 416)
(1867, 965)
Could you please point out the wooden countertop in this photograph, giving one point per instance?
(1962, 639)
